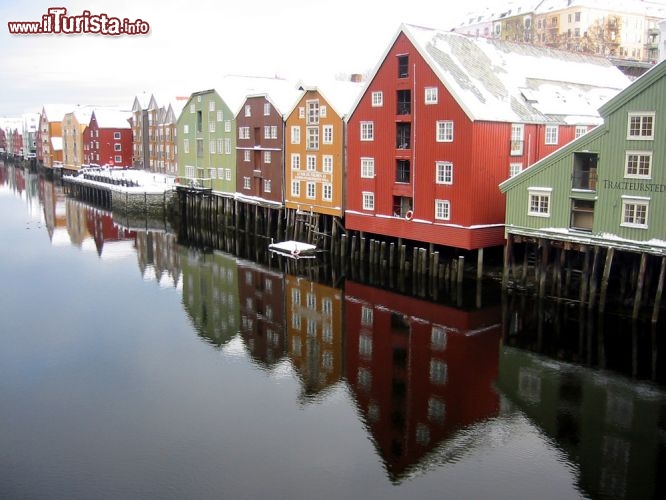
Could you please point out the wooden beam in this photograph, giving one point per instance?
(605, 278)
(639, 286)
(660, 290)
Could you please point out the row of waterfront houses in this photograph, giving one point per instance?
(418, 149)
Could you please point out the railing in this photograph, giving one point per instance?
(404, 108)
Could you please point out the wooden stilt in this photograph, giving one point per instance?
(543, 266)
(479, 263)
(660, 290)
(593, 278)
(508, 251)
(639, 286)
(605, 278)
(584, 276)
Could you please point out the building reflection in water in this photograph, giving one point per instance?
(420, 371)
(314, 330)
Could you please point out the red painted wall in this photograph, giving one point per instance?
(99, 145)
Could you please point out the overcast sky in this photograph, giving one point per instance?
(192, 43)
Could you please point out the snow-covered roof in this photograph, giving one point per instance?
(495, 80)
(234, 89)
(638, 7)
(142, 100)
(112, 118)
(56, 143)
(56, 112)
(340, 94)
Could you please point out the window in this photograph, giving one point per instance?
(368, 201)
(267, 185)
(431, 95)
(327, 164)
(273, 131)
(295, 134)
(580, 130)
(313, 112)
(403, 66)
(322, 111)
(444, 172)
(227, 174)
(313, 138)
(212, 173)
(551, 134)
(220, 146)
(211, 106)
(227, 126)
(442, 209)
(638, 164)
(192, 108)
(367, 131)
(227, 146)
(219, 116)
(267, 131)
(211, 147)
(301, 112)
(243, 132)
(247, 155)
(539, 202)
(311, 162)
(248, 110)
(267, 156)
(517, 132)
(296, 188)
(186, 146)
(328, 134)
(211, 126)
(295, 161)
(246, 183)
(635, 212)
(402, 171)
(118, 159)
(220, 173)
(116, 136)
(367, 168)
(310, 190)
(327, 191)
(117, 147)
(444, 131)
(377, 99)
(641, 126)
(515, 169)
(267, 109)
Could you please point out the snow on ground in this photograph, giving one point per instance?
(125, 180)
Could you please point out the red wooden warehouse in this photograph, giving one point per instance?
(445, 118)
(108, 139)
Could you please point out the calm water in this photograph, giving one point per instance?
(133, 367)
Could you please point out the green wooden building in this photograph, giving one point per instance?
(207, 143)
(602, 195)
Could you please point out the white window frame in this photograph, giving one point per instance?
(267, 185)
(327, 191)
(267, 131)
(635, 201)
(246, 183)
(430, 96)
(186, 146)
(312, 106)
(515, 168)
(296, 188)
(227, 145)
(274, 131)
(220, 116)
(248, 110)
(327, 134)
(116, 136)
(539, 193)
(443, 172)
(311, 163)
(247, 155)
(552, 135)
(639, 154)
(368, 200)
(267, 109)
(310, 190)
(517, 139)
(295, 134)
(267, 156)
(642, 115)
(295, 161)
(367, 131)
(367, 168)
(581, 130)
(227, 174)
(227, 126)
(327, 164)
(312, 138)
(377, 99)
(444, 131)
(442, 210)
(211, 105)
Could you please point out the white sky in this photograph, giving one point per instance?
(192, 43)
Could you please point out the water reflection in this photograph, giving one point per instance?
(431, 383)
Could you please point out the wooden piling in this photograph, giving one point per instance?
(479, 263)
(593, 278)
(639, 286)
(660, 290)
(605, 278)
(508, 249)
(461, 268)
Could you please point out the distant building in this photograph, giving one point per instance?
(108, 138)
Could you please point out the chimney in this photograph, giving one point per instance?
(356, 77)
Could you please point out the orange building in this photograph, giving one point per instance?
(49, 133)
(314, 148)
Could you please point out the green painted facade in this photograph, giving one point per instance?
(207, 143)
(593, 195)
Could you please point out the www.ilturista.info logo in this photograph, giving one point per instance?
(56, 21)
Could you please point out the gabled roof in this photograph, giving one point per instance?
(341, 95)
(495, 80)
(282, 94)
(141, 101)
(234, 89)
(112, 118)
(638, 86)
(56, 112)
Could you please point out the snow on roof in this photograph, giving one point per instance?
(143, 99)
(496, 80)
(234, 89)
(56, 143)
(340, 94)
(112, 118)
(56, 112)
(638, 7)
